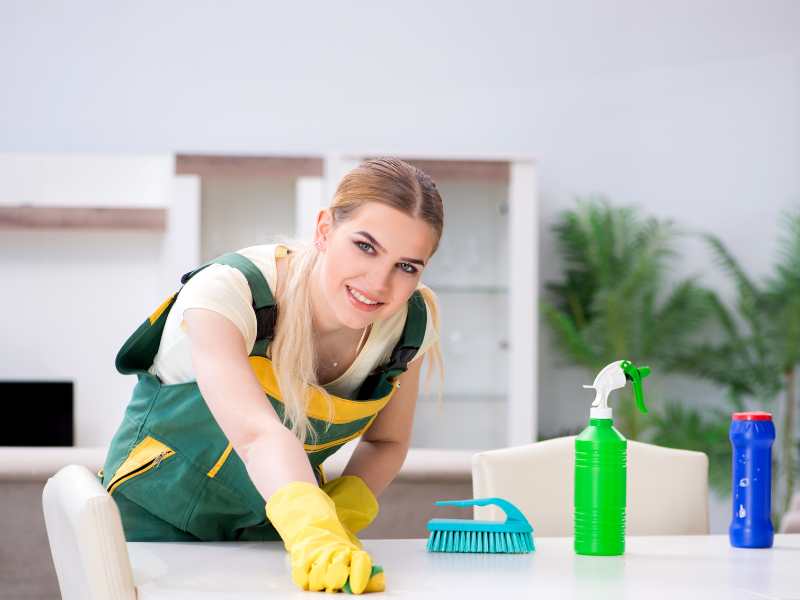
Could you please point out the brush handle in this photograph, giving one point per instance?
(513, 514)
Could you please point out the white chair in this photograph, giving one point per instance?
(86, 537)
(667, 489)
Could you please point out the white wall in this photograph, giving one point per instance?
(689, 109)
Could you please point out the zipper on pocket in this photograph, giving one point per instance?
(148, 454)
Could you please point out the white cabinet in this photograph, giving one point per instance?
(248, 200)
(469, 274)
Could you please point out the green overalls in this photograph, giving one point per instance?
(170, 467)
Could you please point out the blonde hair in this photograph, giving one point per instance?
(389, 181)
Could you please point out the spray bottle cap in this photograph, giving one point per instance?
(613, 377)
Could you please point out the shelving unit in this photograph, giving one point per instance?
(471, 289)
(73, 217)
(247, 200)
(469, 274)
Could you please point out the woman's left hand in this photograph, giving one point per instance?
(356, 505)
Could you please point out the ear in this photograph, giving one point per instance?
(324, 226)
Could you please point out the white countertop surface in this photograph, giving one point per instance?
(673, 567)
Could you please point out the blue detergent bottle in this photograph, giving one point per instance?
(751, 435)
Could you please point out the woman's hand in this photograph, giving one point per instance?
(356, 506)
(322, 556)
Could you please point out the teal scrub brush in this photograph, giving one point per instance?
(514, 535)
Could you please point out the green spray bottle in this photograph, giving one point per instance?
(601, 465)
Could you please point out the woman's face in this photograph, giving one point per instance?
(371, 262)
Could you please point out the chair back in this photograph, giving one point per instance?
(667, 489)
(86, 538)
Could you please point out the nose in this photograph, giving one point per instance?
(379, 281)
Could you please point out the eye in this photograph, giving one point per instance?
(368, 248)
(365, 246)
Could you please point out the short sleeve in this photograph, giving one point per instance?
(432, 325)
(224, 290)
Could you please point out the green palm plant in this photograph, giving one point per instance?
(614, 302)
(757, 354)
(784, 296)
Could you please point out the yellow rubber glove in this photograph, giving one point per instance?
(356, 505)
(322, 555)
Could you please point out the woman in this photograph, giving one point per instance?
(330, 332)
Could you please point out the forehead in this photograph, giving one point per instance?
(396, 231)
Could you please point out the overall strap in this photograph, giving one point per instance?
(139, 350)
(263, 301)
(412, 336)
(378, 383)
(262, 295)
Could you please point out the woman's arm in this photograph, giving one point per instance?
(272, 454)
(383, 447)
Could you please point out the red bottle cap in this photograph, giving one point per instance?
(756, 415)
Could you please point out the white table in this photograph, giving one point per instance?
(674, 567)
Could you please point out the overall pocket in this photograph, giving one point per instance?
(146, 455)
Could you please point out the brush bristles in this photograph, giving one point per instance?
(480, 541)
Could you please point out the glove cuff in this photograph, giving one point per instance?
(355, 503)
(298, 505)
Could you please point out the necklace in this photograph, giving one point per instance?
(335, 364)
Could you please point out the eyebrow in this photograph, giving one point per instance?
(375, 242)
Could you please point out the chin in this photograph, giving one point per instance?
(355, 321)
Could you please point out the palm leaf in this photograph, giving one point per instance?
(569, 338)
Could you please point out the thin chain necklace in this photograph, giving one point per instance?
(335, 364)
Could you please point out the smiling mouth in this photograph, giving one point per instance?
(361, 298)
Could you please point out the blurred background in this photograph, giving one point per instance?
(621, 180)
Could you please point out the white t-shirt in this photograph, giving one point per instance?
(224, 290)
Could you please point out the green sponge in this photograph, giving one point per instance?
(377, 582)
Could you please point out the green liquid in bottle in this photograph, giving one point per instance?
(600, 472)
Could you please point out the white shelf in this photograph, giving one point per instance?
(449, 397)
(82, 217)
(468, 289)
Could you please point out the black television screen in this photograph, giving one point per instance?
(36, 413)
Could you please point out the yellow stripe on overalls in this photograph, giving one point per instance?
(220, 461)
(157, 313)
(338, 442)
(344, 410)
(307, 447)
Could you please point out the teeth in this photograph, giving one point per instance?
(361, 297)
